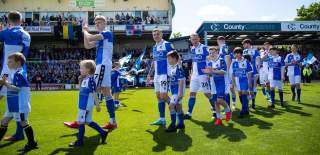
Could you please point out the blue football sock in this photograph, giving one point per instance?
(212, 101)
(173, 117)
(95, 126)
(116, 102)
(227, 98)
(180, 118)
(81, 133)
(281, 96)
(298, 93)
(192, 101)
(234, 97)
(264, 91)
(268, 91)
(242, 103)
(254, 98)
(110, 107)
(272, 95)
(19, 131)
(293, 92)
(246, 103)
(161, 108)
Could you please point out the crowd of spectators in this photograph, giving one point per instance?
(56, 19)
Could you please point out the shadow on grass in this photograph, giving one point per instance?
(296, 110)
(266, 112)
(123, 98)
(7, 144)
(229, 132)
(250, 121)
(310, 105)
(136, 110)
(89, 147)
(179, 141)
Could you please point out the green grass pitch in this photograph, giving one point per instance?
(291, 130)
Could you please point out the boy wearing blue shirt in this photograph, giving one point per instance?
(241, 71)
(87, 99)
(177, 87)
(255, 63)
(18, 99)
(276, 75)
(115, 84)
(226, 53)
(217, 69)
(293, 62)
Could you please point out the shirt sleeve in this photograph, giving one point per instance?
(286, 59)
(107, 35)
(26, 40)
(180, 74)
(169, 47)
(2, 35)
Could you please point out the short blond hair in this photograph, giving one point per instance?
(100, 17)
(89, 64)
(213, 48)
(156, 30)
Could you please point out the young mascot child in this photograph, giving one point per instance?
(177, 88)
(217, 69)
(115, 84)
(241, 75)
(18, 99)
(87, 99)
(276, 75)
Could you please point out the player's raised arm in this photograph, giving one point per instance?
(86, 35)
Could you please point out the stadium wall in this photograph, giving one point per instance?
(70, 5)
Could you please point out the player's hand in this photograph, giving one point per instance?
(85, 27)
(180, 96)
(283, 78)
(4, 80)
(98, 108)
(1, 26)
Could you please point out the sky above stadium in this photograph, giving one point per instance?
(191, 13)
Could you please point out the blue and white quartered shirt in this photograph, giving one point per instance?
(115, 79)
(19, 101)
(175, 74)
(104, 49)
(254, 54)
(86, 98)
(199, 56)
(240, 70)
(218, 82)
(160, 51)
(276, 64)
(15, 39)
(294, 69)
